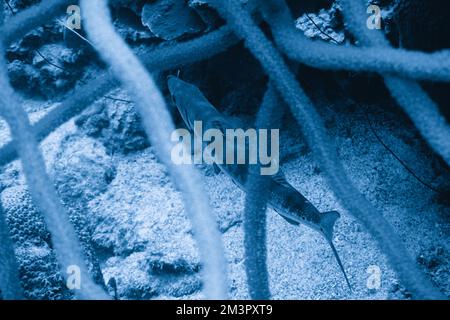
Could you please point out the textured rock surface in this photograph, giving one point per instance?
(38, 268)
(46, 71)
(326, 25)
(117, 125)
(81, 171)
(171, 19)
(145, 232)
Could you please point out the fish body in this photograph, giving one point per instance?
(283, 197)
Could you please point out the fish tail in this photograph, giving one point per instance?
(328, 219)
(338, 259)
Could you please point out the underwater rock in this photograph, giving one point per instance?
(143, 230)
(326, 25)
(47, 71)
(25, 223)
(141, 282)
(171, 19)
(117, 125)
(129, 25)
(38, 269)
(82, 169)
(172, 258)
(434, 260)
(24, 76)
(18, 5)
(39, 274)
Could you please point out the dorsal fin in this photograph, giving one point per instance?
(291, 221)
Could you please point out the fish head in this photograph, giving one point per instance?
(190, 102)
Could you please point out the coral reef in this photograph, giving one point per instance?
(364, 131)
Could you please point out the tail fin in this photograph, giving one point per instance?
(327, 221)
(336, 255)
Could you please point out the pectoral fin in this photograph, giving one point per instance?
(293, 222)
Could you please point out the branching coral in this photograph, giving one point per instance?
(294, 44)
(255, 209)
(65, 242)
(324, 150)
(158, 126)
(31, 18)
(423, 112)
(382, 60)
(159, 59)
(9, 279)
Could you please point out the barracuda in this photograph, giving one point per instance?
(283, 198)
